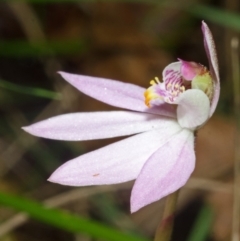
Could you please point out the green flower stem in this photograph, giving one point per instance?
(164, 230)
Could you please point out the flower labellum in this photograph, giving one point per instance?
(160, 156)
(179, 81)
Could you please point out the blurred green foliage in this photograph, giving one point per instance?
(30, 90)
(65, 220)
(202, 225)
(24, 48)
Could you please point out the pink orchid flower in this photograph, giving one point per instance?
(161, 155)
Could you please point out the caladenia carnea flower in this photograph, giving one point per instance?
(160, 156)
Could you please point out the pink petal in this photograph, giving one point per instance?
(166, 170)
(213, 64)
(193, 108)
(96, 125)
(115, 163)
(190, 69)
(116, 93)
(171, 72)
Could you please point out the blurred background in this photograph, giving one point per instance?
(130, 41)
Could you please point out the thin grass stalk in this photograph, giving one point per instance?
(236, 95)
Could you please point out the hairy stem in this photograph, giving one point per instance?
(164, 230)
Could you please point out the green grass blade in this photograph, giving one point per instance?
(30, 90)
(219, 16)
(64, 220)
(23, 48)
(202, 225)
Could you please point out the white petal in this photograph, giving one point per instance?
(96, 125)
(116, 93)
(193, 108)
(166, 170)
(115, 163)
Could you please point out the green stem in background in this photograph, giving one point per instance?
(164, 230)
(236, 95)
(30, 90)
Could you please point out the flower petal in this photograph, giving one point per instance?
(116, 93)
(190, 69)
(172, 73)
(213, 64)
(166, 170)
(115, 163)
(95, 125)
(193, 108)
